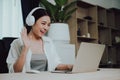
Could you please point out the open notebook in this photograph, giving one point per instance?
(88, 58)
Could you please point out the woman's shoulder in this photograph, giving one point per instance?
(17, 41)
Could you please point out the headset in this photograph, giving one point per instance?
(30, 19)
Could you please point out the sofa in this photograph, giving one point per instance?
(4, 49)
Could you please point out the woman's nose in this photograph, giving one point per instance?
(46, 27)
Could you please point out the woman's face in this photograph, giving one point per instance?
(41, 26)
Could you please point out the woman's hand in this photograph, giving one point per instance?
(64, 67)
(25, 38)
(70, 66)
(18, 66)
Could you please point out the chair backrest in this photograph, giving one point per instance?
(7, 41)
(4, 49)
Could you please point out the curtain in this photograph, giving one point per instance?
(11, 20)
(27, 6)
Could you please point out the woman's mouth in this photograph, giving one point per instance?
(42, 31)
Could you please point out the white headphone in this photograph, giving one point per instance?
(30, 19)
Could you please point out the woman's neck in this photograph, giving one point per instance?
(33, 36)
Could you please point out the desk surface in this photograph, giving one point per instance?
(103, 74)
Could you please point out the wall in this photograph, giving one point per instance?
(0, 16)
(105, 3)
(116, 3)
(27, 6)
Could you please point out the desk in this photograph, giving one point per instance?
(103, 74)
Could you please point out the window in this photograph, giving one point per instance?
(11, 20)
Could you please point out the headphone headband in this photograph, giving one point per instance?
(34, 9)
(30, 20)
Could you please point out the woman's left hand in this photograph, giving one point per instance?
(64, 67)
(70, 66)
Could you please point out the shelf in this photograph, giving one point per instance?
(115, 10)
(84, 4)
(103, 27)
(80, 20)
(115, 29)
(89, 21)
(116, 44)
(85, 38)
(102, 20)
(104, 35)
(102, 24)
(109, 66)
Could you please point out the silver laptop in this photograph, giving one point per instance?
(88, 58)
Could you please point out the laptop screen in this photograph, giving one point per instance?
(88, 57)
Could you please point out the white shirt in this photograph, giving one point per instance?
(15, 51)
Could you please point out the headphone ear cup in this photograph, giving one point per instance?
(30, 20)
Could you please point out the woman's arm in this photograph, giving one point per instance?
(18, 66)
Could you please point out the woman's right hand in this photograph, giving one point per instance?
(18, 66)
(25, 38)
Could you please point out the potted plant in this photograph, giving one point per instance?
(59, 12)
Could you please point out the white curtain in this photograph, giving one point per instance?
(11, 20)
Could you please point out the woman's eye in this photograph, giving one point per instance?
(48, 25)
(43, 23)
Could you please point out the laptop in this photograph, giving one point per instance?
(87, 59)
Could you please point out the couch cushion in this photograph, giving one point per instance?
(4, 49)
(7, 41)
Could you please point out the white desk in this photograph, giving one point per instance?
(103, 74)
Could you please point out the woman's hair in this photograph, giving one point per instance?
(37, 14)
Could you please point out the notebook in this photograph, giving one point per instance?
(87, 59)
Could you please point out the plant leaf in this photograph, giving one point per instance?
(61, 16)
(70, 5)
(50, 8)
(61, 2)
(60, 12)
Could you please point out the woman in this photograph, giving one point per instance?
(34, 51)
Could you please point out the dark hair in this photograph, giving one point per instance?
(37, 14)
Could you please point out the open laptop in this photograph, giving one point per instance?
(88, 58)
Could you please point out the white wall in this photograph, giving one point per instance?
(116, 3)
(0, 16)
(105, 3)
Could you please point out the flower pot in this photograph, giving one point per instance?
(59, 32)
